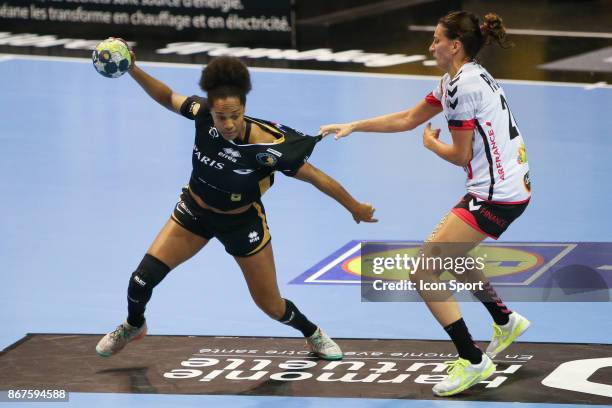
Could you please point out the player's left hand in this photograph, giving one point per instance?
(430, 136)
(364, 212)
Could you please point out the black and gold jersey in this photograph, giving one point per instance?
(227, 175)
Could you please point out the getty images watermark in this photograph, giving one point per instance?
(429, 263)
(413, 271)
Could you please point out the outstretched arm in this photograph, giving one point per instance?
(393, 122)
(160, 92)
(360, 211)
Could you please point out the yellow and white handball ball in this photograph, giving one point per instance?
(111, 58)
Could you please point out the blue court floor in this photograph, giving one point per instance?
(90, 169)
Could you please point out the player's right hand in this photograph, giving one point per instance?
(340, 129)
(364, 213)
(129, 48)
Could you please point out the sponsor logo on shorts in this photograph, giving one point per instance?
(473, 206)
(495, 219)
(253, 237)
(182, 208)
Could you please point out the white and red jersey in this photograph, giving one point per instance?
(498, 171)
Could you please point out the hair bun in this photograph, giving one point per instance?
(492, 22)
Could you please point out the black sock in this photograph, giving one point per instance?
(496, 307)
(135, 314)
(460, 336)
(294, 318)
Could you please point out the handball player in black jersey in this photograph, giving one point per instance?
(234, 160)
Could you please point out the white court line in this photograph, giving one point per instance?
(520, 31)
(596, 85)
(5, 57)
(550, 264)
(583, 85)
(313, 277)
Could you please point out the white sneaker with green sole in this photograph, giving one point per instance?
(462, 375)
(505, 335)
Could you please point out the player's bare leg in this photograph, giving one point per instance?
(260, 274)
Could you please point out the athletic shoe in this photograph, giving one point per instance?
(116, 340)
(462, 375)
(504, 335)
(323, 346)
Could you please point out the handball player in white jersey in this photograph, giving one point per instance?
(488, 144)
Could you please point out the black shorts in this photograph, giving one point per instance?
(243, 234)
(489, 218)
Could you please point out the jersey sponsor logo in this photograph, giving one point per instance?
(253, 237)
(274, 152)
(194, 108)
(230, 154)
(522, 154)
(213, 132)
(499, 165)
(243, 172)
(202, 158)
(527, 182)
(267, 159)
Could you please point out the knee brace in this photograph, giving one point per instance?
(149, 274)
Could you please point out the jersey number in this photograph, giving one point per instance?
(514, 132)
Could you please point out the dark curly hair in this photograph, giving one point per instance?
(225, 77)
(465, 27)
